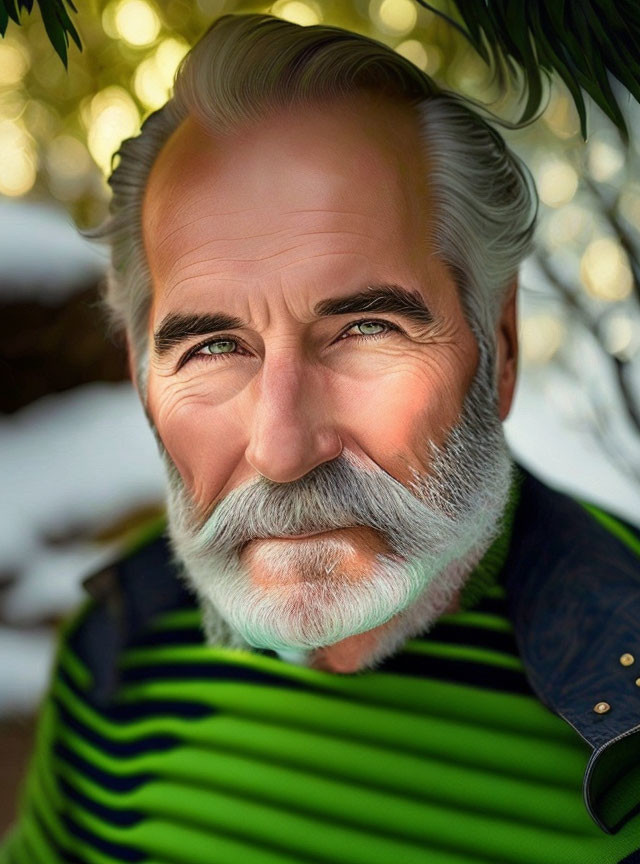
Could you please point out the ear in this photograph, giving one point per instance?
(507, 350)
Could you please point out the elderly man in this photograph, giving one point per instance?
(366, 636)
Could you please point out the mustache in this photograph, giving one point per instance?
(338, 494)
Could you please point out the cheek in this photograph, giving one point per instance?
(202, 439)
(400, 413)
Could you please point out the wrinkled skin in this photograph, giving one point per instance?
(309, 205)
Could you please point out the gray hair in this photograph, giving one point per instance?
(245, 67)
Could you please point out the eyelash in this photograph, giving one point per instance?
(193, 353)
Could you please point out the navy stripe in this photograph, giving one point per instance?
(171, 636)
(493, 605)
(68, 857)
(115, 850)
(459, 671)
(623, 821)
(420, 665)
(499, 640)
(207, 670)
(126, 712)
(116, 816)
(634, 858)
(131, 711)
(480, 637)
(136, 747)
(113, 782)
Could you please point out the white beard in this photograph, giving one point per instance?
(437, 531)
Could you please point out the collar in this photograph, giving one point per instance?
(573, 595)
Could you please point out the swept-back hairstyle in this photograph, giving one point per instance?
(246, 67)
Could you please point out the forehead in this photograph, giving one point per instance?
(336, 166)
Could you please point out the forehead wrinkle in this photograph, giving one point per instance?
(245, 237)
(267, 234)
(231, 277)
(222, 259)
(267, 257)
(371, 217)
(209, 216)
(213, 240)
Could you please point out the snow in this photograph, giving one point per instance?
(75, 460)
(24, 680)
(71, 463)
(64, 261)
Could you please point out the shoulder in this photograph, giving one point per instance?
(552, 526)
(571, 568)
(573, 585)
(124, 598)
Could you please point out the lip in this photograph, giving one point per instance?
(297, 536)
(303, 536)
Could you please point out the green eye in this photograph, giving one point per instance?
(210, 347)
(369, 324)
(219, 348)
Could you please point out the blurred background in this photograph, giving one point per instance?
(79, 467)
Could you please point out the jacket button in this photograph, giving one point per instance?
(601, 707)
(638, 682)
(627, 659)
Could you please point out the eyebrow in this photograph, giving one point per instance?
(177, 328)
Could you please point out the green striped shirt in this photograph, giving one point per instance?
(208, 755)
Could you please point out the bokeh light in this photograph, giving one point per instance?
(621, 336)
(154, 76)
(68, 125)
(604, 270)
(69, 167)
(629, 204)
(14, 61)
(414, 51)
(396, 17)
(112, 117)
(541, 337)
(304, 14)
(19, 160)
(557, 182)
(604, 160)
(136, 22)
(567, 225)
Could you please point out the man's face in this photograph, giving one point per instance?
(266, 227)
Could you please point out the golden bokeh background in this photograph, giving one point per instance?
(60, 128)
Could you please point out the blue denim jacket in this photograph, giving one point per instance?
(573, 591)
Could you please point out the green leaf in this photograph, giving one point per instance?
(11, 10)
(66, 22)
(548, 54)
(55, 31)
(583, 41)
(626, 67)
(55, 17)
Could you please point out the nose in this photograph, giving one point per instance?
(292, 427)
